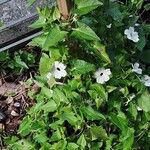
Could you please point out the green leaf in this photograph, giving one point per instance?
(101, 51)
(41, 138)
(59, 97)
(45, 64)
(38, 41)
(81, 67)
(100, 91)
(85, 32)
(70, 117)
(147, 7)
(91, 114)
(23, 144)
(119, 121)
(114, 12)
(61, 145)
(145, 56)
(72, 146)
(49, 106)
(142, 42)
(54, 36)
(39, 23)
(56, 136)
(133, 110)
(25, 126)
(144, 101)
(47, 92)
(146, 28)
(81, 141)
(20, 62)
(86, 6)
(128, 139)
(98, 132)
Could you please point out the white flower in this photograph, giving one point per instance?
(136, 68)
(102, 75)
(109, 26)
(137, 24)
(139, 109)
(146, 80)
(59, 70)
(130, 16)
(131, 34)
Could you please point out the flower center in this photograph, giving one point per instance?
(101, 74)
(58, 69)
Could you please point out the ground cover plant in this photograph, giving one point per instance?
(93, 80)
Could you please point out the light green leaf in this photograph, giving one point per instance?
(86, 6)
(70, 117)
(101, 51)
(98, 132)
(54, 36)
(100, 91)
(119, 121)
(49, 106)
(128, 139)
(41, 138)
(91, 114)
(72, 146)
(47, 92)
(56, 136)
(85, 32)
(20, 62)
(23, 144)
(81, 141)
(144, 101)
(39, 23)
(59, 97)
(81, 67)
(133, 110)
(46, 64)
(25, 126)
(38, 41)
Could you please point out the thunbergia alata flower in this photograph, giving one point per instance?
(102, 75)
(146, 80)
(132, 34)
(136, 68)
(59, 70)
(109, 25)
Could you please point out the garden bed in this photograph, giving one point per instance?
(87, 87)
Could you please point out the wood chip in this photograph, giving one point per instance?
(13, 113)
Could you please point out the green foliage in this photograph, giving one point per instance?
(74, 112)
(17, 62)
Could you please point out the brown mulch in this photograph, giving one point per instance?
(13, 104)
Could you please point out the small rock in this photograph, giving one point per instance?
(13, 113)
(9, 100)
(2, 127)
(17, 104)
(2, 116)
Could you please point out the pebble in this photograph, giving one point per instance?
(13, 113)
(17, 104)
(2, 116)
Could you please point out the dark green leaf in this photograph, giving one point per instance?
(91, 114)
